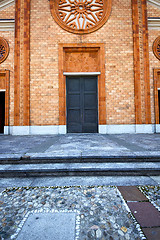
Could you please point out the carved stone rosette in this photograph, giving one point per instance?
(156, 47)
(80, 16)
(4, 49)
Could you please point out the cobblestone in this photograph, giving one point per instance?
(103, 212)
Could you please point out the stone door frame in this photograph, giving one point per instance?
(4, 87)
(63, 49)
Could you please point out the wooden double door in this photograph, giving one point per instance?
(82, 104)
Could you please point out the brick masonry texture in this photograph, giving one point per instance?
(116, 34)
(45, 37)
(153, 11)
(8, 13)
(154, 62)
(8, 64)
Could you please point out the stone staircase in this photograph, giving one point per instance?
(78, 166)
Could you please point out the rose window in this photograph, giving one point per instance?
(156, 47)
(80, 16)
(4, 49)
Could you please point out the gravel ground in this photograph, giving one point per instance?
(102, 211)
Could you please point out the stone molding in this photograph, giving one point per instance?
(103, 129)
(154, 23)
(155, 3)
(6, 3)
(7, 24)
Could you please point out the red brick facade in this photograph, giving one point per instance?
(121, 50)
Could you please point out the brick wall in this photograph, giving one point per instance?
(46, 36)
(116, 34)
(154, 62)
(153, 11)
(8, 64)
(8, 13)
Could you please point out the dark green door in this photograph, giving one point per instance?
(2, 111)
(82, 104)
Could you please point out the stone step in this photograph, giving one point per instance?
(26, 159)
(79, 169)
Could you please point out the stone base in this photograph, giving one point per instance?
(62, 129)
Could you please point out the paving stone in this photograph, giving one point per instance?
(156, 179)
(15, 182)
(132, 193)
(152, 233)
(49, 226)
(80, 144)
(145, 213)
(91, 181)
(101, 210)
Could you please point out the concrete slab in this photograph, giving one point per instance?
(76, 181)
(81, 166)
(1, 189)
(49, 226)
(10, 156)
(156, 179)
(56, 154)
(92, 181)
(139, 144)
(15, 182)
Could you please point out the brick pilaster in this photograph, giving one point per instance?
(17, 65)
(141, 62)
(136, 46)
(146, 63)
(22, 64)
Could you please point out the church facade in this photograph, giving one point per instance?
(79, 66)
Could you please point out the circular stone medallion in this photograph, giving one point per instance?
(156, 47)
(4, 49)
(80, 16)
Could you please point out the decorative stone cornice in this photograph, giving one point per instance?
(7, 24)
(155, 3)
(6, 3)
(154, 23)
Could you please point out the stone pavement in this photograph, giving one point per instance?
(79, 155)
(80, 208)
(79, 145)
(80, 212)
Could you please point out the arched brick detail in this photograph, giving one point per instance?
(156, 47)
(4, 49)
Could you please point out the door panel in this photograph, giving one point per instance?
(82, 104)
(74, 100)
(2, 111)
(73, 105)
(90, 86)
(89, 100)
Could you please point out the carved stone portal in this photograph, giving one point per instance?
(156, 47)
(4, 49)
(80, 16)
